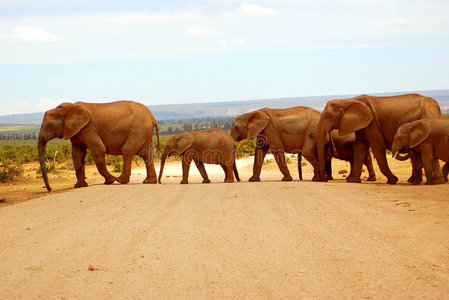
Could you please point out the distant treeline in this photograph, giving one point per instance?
(19, 136)
(169, 127)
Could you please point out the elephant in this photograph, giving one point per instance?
(375, 121)
(429, 137)
(213, 146)
(117, 128)
(343, 148)
(290, 130)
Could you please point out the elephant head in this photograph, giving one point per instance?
(249, 125)
(408, 136)
(65, 121)
(346, 115)
(176, 145)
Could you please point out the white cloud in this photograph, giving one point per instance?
(195, 31)
(29, 34)
(390, 23)
(256, 10)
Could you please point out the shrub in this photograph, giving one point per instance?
(9, 170)
(116, 161)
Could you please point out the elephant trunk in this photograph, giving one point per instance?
(320, 139)
(41, 148)
(161, 169)
(400, 157)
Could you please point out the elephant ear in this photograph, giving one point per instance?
(419, 132)
(355, 116)
(256, 123)
(77, 116)
(184, 141)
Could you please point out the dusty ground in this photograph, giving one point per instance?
(243, 240)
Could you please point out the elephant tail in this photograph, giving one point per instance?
(157, 133)
(234, 167)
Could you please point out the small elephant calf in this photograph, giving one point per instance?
(430, 138)
(213, 146)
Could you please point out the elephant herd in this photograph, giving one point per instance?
(346, 129)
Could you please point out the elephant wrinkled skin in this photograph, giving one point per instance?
(118, 128)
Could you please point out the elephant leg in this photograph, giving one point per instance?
(417, 166)
(259, 156)
(427, 161)
(438, 177)
(445, 171)
(361, 149)
(229, 175)
(282, 164)
(148, 158)
(328, 168)
(300, 165)
(309, 151)
(369, 166)
(380, 155)
(200, 166)
(126, 173)
(100, 162)
(186, 160)
(78, 155)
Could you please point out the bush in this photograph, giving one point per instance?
(116, 161)
(246, 147)
(9, 170)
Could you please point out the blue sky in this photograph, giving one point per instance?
(160, 52)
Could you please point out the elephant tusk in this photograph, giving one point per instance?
(405, 157)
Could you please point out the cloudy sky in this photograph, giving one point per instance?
(173, 51)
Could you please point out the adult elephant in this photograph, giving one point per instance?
(290, 130)
(375, 121)
(118, 128)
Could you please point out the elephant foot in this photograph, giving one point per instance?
(329, 178)
(428, 182)
(80, 184)
(109, 180)
(206, 180)
(392, 180)
(229, 180)
(287, 178)
(123, 179)
(372, 178)
(319, 178)
(184, 182)
(150, 180)
(254, 179)
(415, 179)
(353, 179)
(438, 180)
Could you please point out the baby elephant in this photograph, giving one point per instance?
(430, 138)
(213, 146)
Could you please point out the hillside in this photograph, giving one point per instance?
(231, 109)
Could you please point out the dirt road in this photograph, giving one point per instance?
(267, 240)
